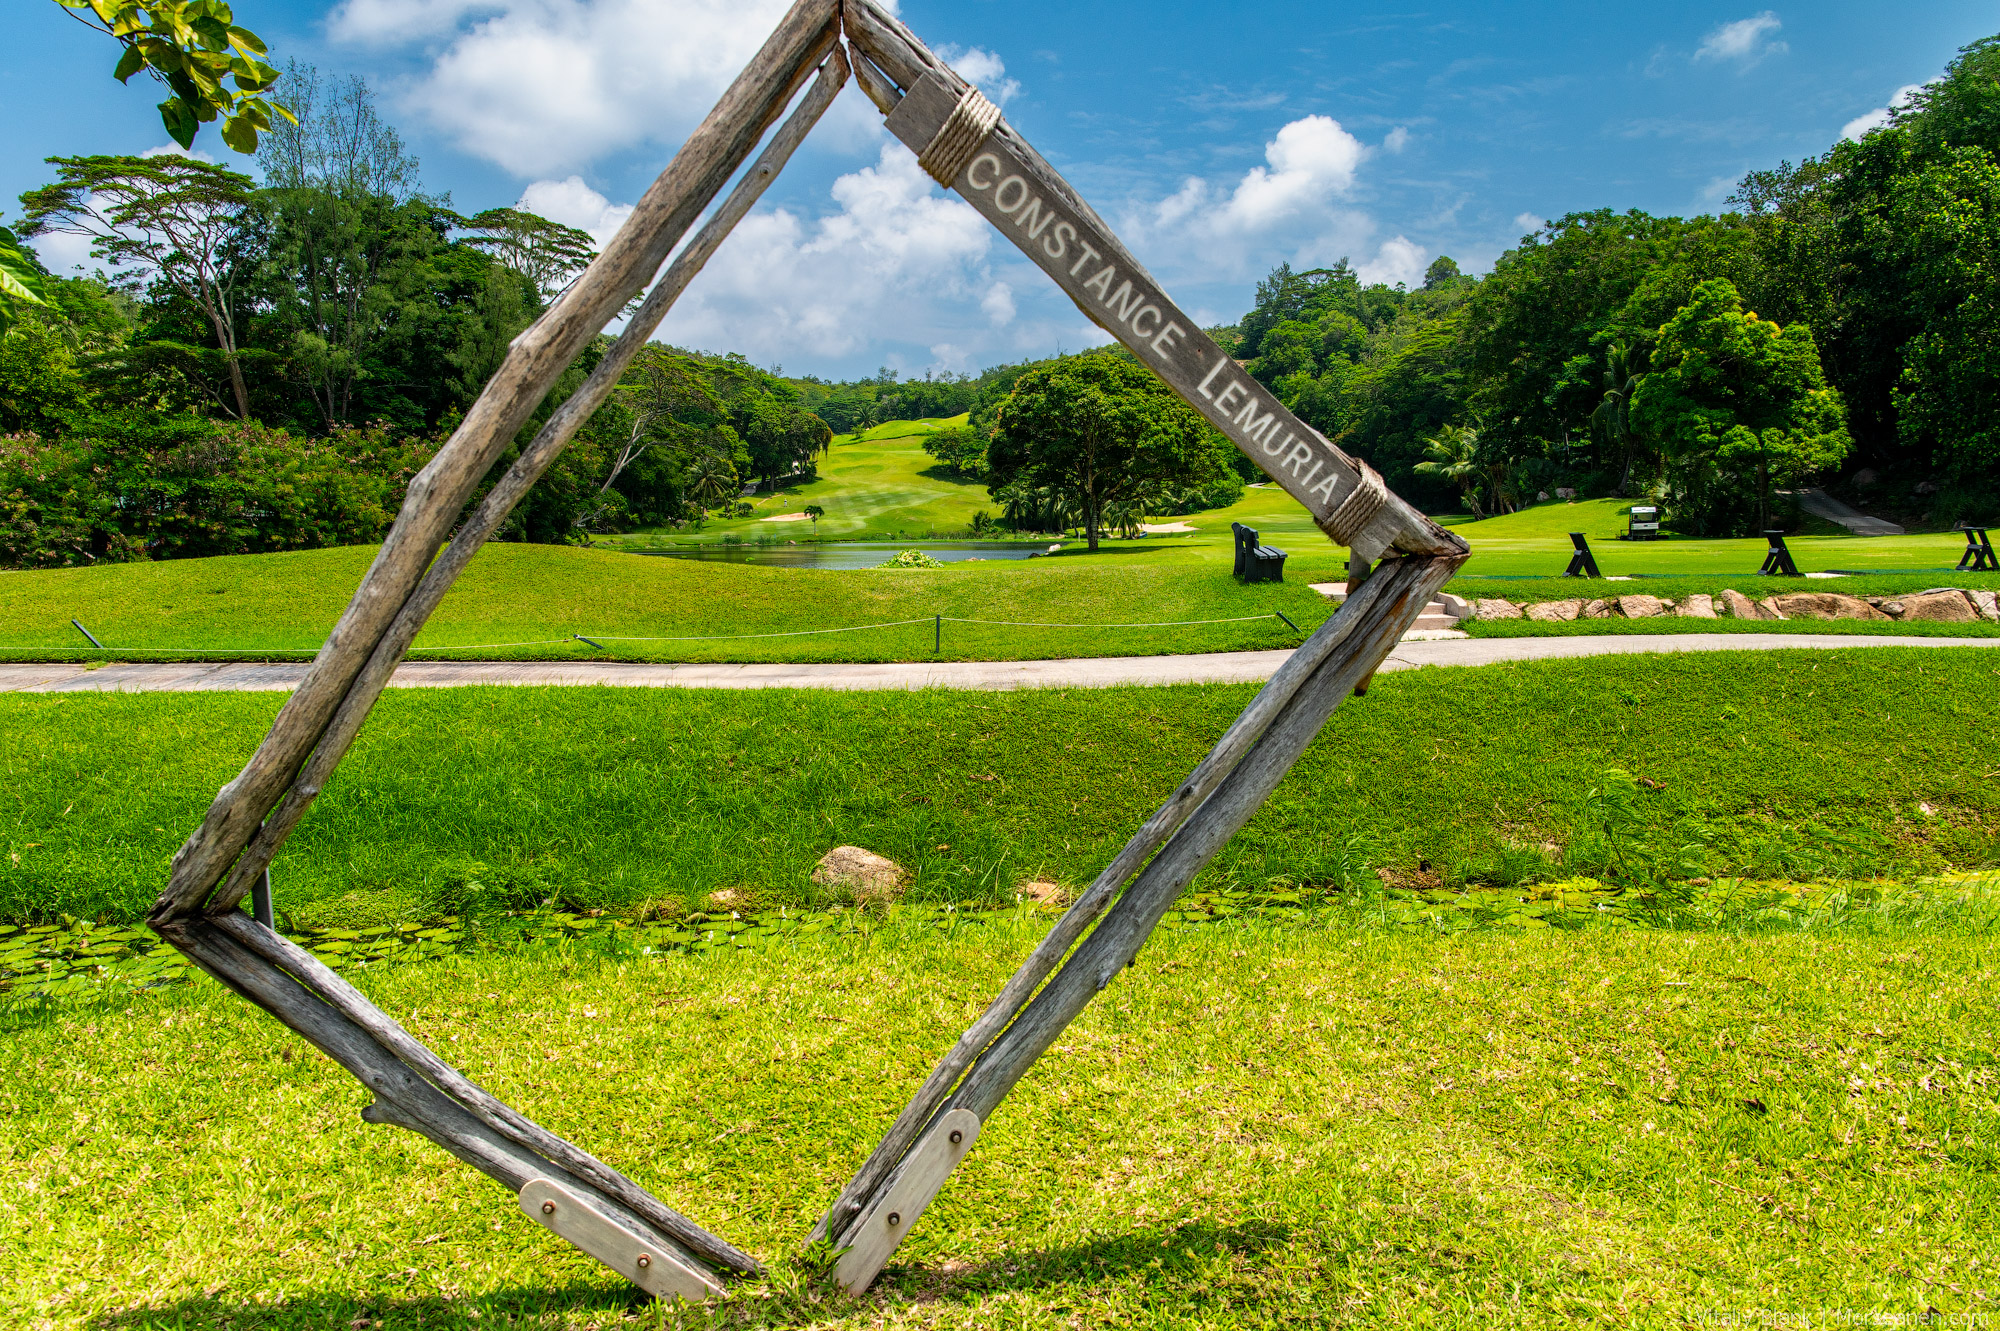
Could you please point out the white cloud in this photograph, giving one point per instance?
(1398, 260)
(1744, 42)
(576, 204)
(1396, 140)
(1879, 117)
(1309, 163)
(998, 304)
(547, 86)
(984, 69)
(381, 22)
(62, 253)
(896, 259)
(1527, 222)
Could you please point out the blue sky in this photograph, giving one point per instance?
(1219, 140)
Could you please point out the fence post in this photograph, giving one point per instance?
(937, 637)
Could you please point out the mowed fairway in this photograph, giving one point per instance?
(528, 602)
(1255, 1126)
(1801, 765)
(877, 485)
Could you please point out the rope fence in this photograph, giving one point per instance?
(598, 640)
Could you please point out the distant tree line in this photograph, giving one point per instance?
(1841, 327)
(262, 364)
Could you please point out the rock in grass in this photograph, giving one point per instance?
(1987, 604)
(1769, 608)
(863, 873)
(1641, 606)
(1493, 607)
(1698, 606)
(1555, 611)
(1824, 605)
(1949, 607)
(1595, 610)
(1741, 606)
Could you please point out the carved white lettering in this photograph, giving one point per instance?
(1020, 197)
(1101, 284)
(1325, 488)
(1033, 220)
(1228, 397)
(1274, 444)
(992, 165)
(1086, 257)
(1307, 479)
(1164, 344)
(1256, 425)
(1124, 303)
(1299, 453)
(1057, 244)
(1153, 310)
(1208, 378)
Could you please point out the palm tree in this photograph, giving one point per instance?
(711, 479)
(815, 512)
(1453, 456)
(1625, 365)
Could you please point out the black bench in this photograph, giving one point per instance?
(1778, 560)
(1254, 562)
(1581, 564)
(1978, 556)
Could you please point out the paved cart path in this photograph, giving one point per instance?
(1093, 672)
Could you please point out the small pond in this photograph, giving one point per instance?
(850, 554)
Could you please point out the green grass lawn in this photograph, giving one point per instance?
(877, 485)
(1535, 543)
(1804, 765)
(1255, 1126)
(263, 605)
(526, 602)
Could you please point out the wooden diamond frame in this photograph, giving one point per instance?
(962, 140)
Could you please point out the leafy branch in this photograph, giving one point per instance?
(195, 48)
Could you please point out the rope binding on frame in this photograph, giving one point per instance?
(1347, 522)
(959, 137)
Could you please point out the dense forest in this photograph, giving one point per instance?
(262, 364)
(1841, 326)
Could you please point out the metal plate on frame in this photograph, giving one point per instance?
(917, 1180)
(640, 1261)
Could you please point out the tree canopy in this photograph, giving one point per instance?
(1103, 428)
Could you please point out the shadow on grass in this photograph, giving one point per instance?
(1176, 1256)
(944, 475)
(514, 1306)
(1173, 1258)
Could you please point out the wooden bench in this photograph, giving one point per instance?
(1254, 562)
(1978, 556)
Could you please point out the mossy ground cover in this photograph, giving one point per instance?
(1798, 765)
(1260, 1124)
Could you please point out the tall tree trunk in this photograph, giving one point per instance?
(227, 343)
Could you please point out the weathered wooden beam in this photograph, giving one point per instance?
(327, 985)
(512, 487)
(1389, 604)
(1243, 733)
(439, 492)
(1010, 184)
(402, 1096)
(1224, 792)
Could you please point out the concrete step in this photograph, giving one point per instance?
(1439, 619)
